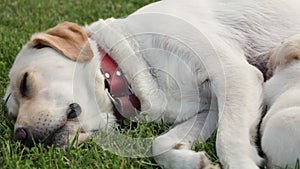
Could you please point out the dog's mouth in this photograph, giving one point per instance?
(58, 138)
(63, 136)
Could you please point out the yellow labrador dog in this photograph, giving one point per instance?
(188, 63)
(280, 127)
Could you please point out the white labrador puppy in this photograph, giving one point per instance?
(280, 126)
(185, 62)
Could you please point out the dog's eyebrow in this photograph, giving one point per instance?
(23, 86)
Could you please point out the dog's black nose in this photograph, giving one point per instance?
(21, 135)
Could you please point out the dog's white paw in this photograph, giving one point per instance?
(180, 157)
(206, 164)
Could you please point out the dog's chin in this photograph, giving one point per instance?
(65, 136)
(60, 138)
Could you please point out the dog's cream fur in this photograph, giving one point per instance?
(187, 63)
(280, 126)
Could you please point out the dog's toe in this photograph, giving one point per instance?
(206, 163)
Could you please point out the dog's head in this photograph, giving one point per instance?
(283, 54)
(284, 64)
(56, 90)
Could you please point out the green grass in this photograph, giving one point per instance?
(18, 21)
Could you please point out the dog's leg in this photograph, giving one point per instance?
(239, 94)
(281, 137)
(173, 149)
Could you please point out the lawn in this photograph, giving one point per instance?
(20, 19)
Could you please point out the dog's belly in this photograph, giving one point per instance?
(183, 106)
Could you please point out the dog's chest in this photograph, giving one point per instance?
(177, 80)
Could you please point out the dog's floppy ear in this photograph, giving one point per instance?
(289, 50)
(68, 38)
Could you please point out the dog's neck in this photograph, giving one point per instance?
(124, 51)
(125, 102)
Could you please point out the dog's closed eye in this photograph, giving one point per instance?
(24, 90)
(73, 111)
(40, 46)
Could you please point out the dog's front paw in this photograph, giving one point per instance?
(205, 163)
(182, 158)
